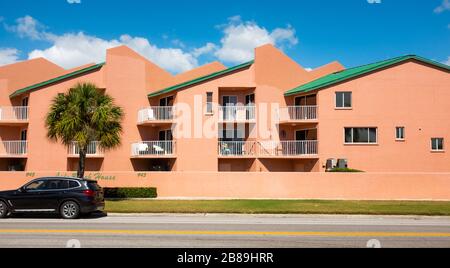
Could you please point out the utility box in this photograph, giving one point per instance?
(331, 163)
(342, 163)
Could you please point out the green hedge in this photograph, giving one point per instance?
(345, 170)
(130, 193)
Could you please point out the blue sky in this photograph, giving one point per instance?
(181, 34)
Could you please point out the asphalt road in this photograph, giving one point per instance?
(218, 231)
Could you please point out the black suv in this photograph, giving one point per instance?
(69, 197)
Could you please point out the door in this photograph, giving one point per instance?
(26, 199)
(23, 139)
(41, 195)
(24, 111)
(250, 103)
(304, 136)
(165, 140)
(229, 103)
(166, 113)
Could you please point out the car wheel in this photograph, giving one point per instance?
(3, 210)
(70, 210)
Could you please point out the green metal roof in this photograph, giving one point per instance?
(348, 74)
(200, 79)
(55, 80)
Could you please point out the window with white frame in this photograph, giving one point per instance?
(400, 133)
(343, 100)
(365, 135)
(437, 144)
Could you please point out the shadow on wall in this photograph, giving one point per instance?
(91, 164)
(153, 164)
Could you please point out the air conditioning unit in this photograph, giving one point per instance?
(342, 163)
(331, 163)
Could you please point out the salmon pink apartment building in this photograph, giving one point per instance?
(267, 116)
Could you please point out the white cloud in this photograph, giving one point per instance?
(28, 27)
(74, 1)
(445, 6)
(171, 59)
(206, 49)
(241, 38)
(71, 50)
(74, 49)
(8, 56)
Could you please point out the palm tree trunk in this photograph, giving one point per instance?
(81, 163)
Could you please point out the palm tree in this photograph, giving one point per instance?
(84, 114)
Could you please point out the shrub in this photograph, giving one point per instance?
(345, 170)
(130, 193)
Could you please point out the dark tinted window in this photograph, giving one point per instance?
(360, 135)
(73, 184)
(343, 99)
(54, 185)
(63, 184)
(93, 186)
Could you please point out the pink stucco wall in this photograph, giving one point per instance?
(357, 186)
(411, 95)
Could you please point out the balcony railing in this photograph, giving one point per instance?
(237, 148)
(153, 148)
(93, 149)
(15, 113)
(13, 148)
(162, 113)
(287, 148)
(237, 113)
(298, 113)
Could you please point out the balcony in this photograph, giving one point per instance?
(153, 149)
(237, 114)
(288, 149)
(156, 115)
(13, 115)
(298, 114)
(13, 149)
(93, 150)
(239, 149)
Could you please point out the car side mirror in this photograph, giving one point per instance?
(22, 190)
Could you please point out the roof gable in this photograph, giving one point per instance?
(56, 80)
(200, 79)
(348, 74)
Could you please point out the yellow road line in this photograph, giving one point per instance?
(243, 233)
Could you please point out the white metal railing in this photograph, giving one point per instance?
(237, 113)
(237, 148)
(93, 149)
(287, 148)
(298, 113)
(153, 148)
(13, 148)
(16, 113)
(156, 113)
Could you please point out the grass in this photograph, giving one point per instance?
(430, 208)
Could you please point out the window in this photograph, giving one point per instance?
(400, 133)
(361, 135)
(310, 100)
(36, 185)
(209, 102)
(437, 144)
(343, 100)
